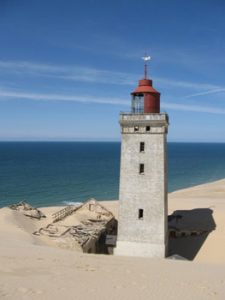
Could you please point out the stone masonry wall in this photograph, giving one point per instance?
(147, 191)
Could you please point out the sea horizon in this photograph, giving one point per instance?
(47, 173)
(101, 141)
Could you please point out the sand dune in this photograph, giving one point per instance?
(204, 206)
(31, 269)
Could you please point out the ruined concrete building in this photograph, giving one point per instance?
(83, 228)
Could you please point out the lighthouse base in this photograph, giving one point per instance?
(125, 248)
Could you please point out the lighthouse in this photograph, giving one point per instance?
(142, 221)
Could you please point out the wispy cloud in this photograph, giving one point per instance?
(65, 72)
(213, 91)
(18, 95)
(193, 108)
(94, 75)
(21, 95)
(185, 84)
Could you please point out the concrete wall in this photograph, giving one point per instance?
(148, 191)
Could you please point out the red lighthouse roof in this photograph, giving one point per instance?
(150, 102)
(145, 86)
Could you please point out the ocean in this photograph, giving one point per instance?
(59, 173)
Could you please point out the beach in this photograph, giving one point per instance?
(35, 268)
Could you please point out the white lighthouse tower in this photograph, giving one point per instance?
(142, 222)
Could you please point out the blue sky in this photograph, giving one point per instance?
(67, 67)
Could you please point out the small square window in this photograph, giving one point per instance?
(142, 146)
(140, 214)
(136, 128)
(147, 128)
(141, 169)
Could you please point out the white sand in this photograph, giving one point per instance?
(30, 269)
(207, 197)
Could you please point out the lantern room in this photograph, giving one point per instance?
(145, 99)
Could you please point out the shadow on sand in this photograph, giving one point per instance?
(188, 230)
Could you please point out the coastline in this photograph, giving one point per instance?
(31, 269)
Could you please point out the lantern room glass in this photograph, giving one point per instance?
(138, 104)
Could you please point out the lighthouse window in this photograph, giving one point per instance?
(140, 213)
(141, 169)
(147, 128)
(142, 146)
(138, 104)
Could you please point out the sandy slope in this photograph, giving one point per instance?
(31, 270)
(206, 206)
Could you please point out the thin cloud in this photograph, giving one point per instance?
(185, 84)
(92, 75)
(65, 72)
(213, 91)
(57, 97)
(193, 108)
(18, 95)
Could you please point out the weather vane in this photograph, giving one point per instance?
(146, 58)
